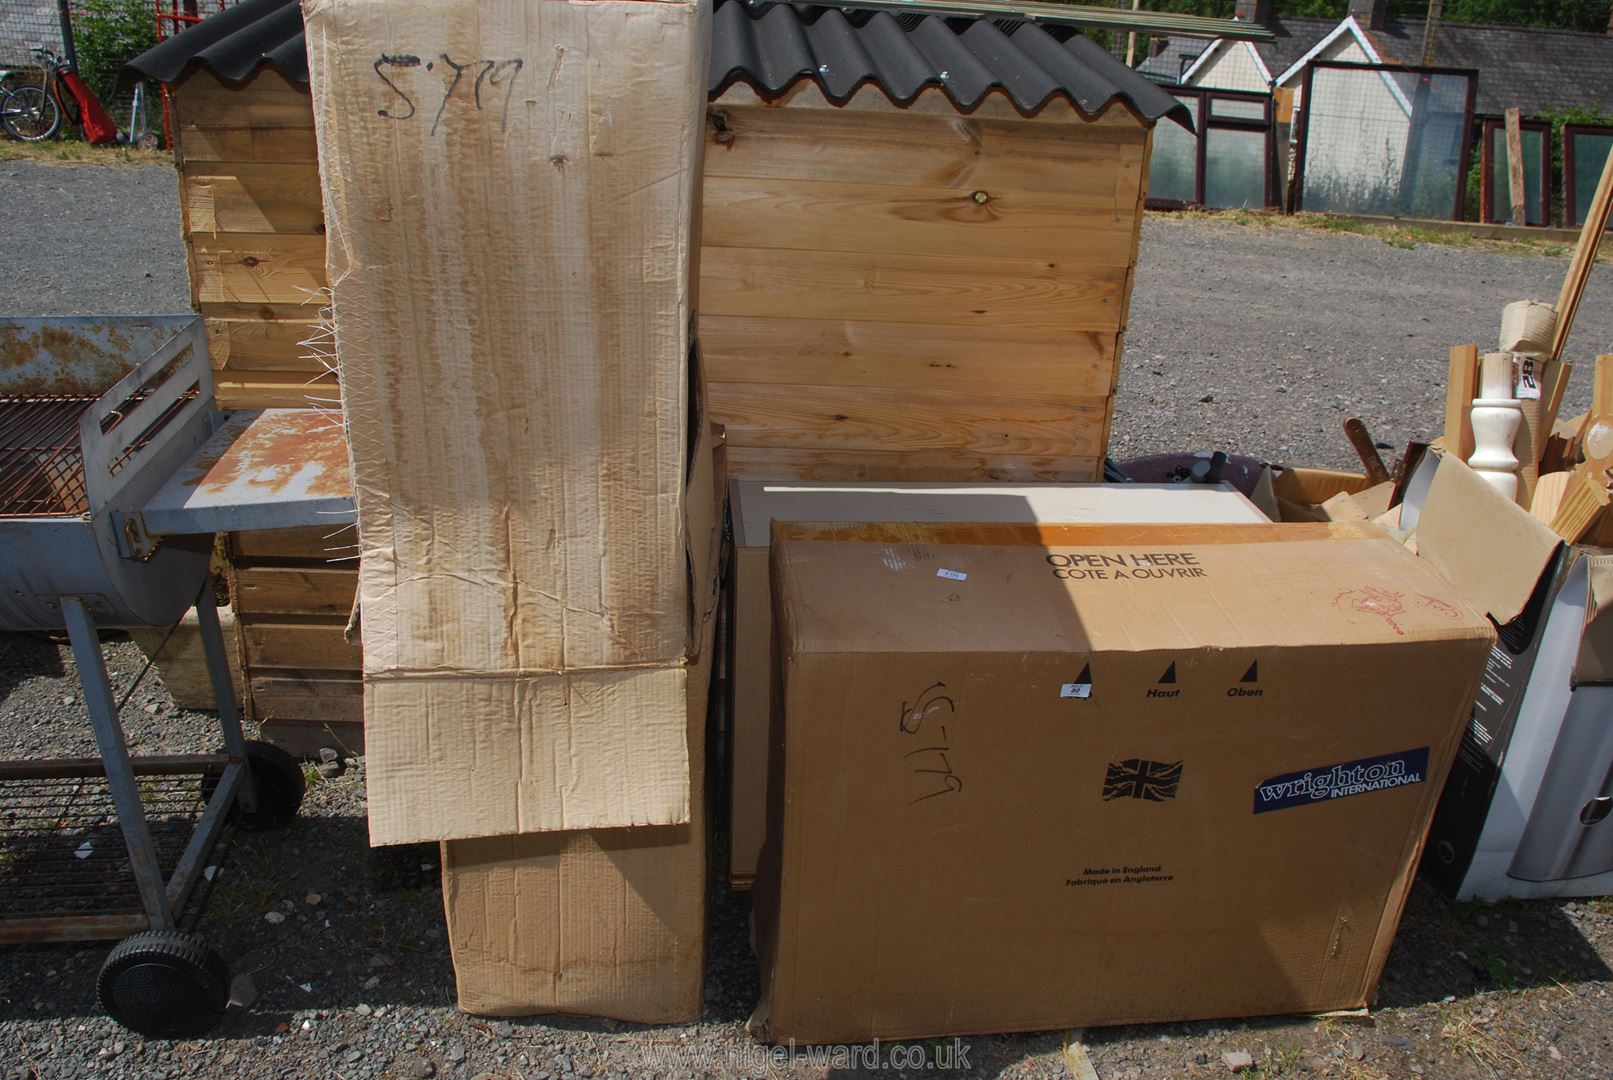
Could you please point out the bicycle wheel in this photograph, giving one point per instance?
(30, 114)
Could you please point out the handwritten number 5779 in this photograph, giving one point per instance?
(492, 74)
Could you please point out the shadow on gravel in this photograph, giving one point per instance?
(25, 656)
(1446, 949)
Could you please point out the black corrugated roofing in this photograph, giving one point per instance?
(769, 47)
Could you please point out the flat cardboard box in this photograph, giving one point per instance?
(1096, 775)
(603, 922)
(755, 504)
(506, 753)
(1525, 812)
(511, 191)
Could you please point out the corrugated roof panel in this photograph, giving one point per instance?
(770, 47)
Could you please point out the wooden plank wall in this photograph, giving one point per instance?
(885, 293)
(292, 604)
(912, 293)
(254, 232)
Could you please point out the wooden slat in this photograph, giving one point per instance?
(907, 149)
(304, 645)
(319, 544)
(250, 197)
(872, 418)
(313, 696)
(1036, 295)
(934, 101)
(294, 590)
(827, 215)
(268, 145)
(915, 356)
(267, 100)
(261, 337)
(275, 390)
(762, 463)
(255, 268)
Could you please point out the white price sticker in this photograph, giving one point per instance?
(1076, 690)
(952, 575)
(1528, 382)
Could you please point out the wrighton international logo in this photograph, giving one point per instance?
(1342, 781)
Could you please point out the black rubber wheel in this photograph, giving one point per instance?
(279, 784)
(164, 984)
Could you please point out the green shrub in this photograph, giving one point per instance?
(108, 34)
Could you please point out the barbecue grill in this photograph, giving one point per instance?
(115, 471)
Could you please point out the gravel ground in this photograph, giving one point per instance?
(1270, 336)
(91, 240)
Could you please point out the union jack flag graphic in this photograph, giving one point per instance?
(1137, 778)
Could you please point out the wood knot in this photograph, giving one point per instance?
(250, 260)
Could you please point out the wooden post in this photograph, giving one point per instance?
(1515, 184)
(1460, 389)
(1590, 238)
(1431, 31)
(1131, 38)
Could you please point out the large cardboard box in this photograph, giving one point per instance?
(602, 922)
(511, 194)
(756, 504)
(1526, 810)
(1080, 776)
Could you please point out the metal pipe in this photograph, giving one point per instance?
(218, 673)
(114, 749)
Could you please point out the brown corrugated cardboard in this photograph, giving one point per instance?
(1149, 773)
(605, 922)
(510, 198)
(468, 756)
(756, 504)
(602, 922)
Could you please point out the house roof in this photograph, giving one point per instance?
(1534, 68)
(1537, 69)
(1167, 66)
(770, 47)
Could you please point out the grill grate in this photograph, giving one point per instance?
(62, 853)
(41, 460)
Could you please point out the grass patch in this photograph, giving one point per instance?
(78, 152)
(1471, 1038)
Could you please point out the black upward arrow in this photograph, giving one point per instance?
(1253, 674)
(1170, 674)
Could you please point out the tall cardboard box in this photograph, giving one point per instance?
(756, 504)
(1526, 812)
(598, 922)
(510, 192)
(1055, 777)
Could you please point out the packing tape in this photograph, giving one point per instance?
(1528, 326)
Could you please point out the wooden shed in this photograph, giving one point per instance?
(918, 242)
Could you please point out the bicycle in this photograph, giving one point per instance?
(34, 111)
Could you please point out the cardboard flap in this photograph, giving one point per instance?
(1486, 545)
(1594, 664)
